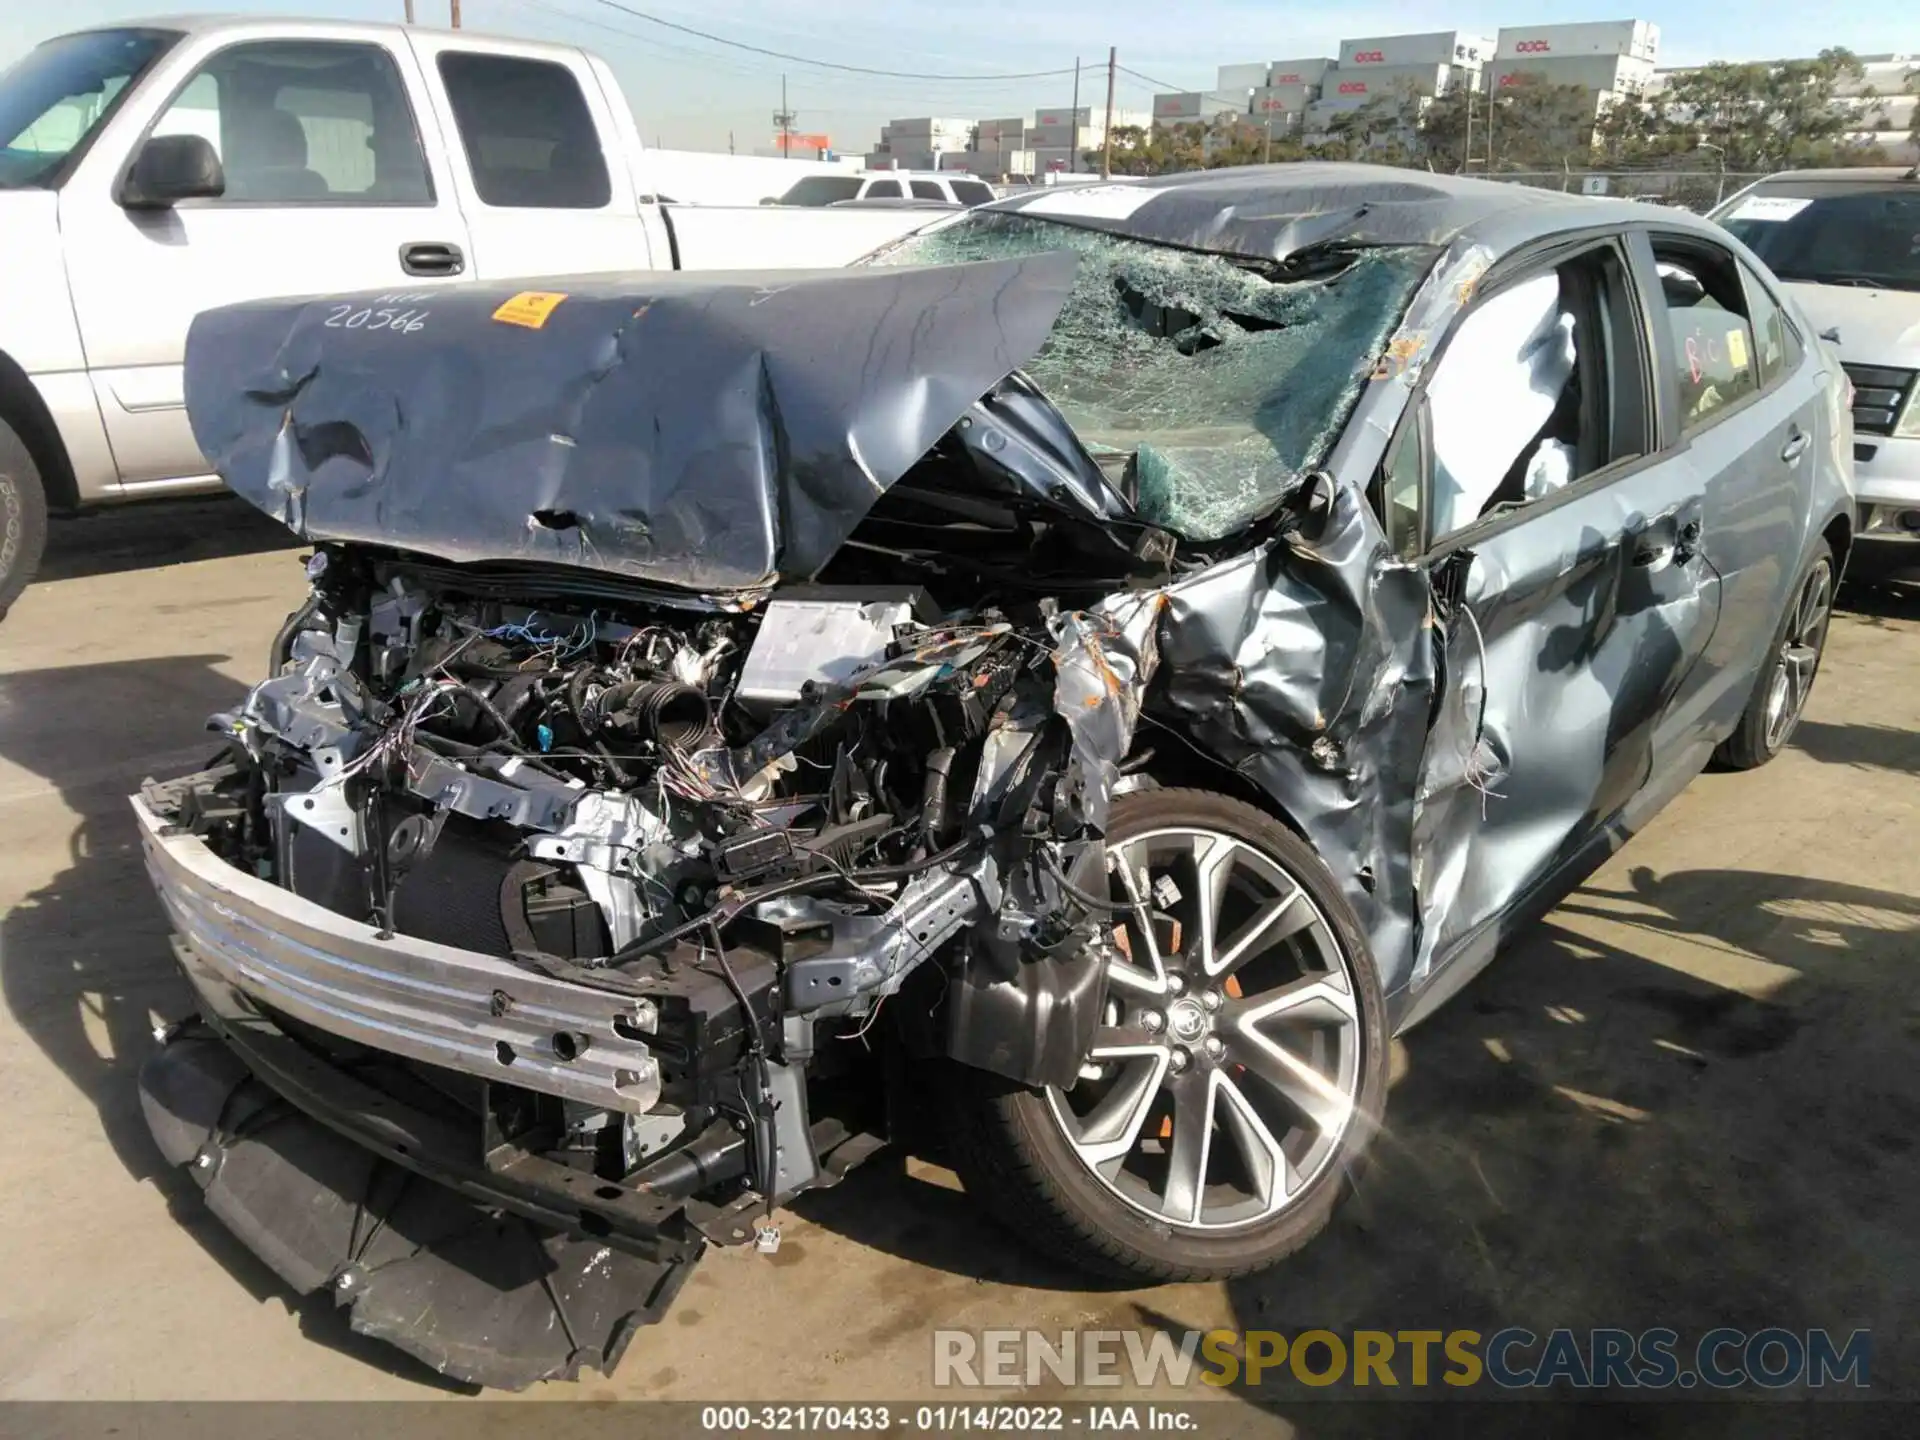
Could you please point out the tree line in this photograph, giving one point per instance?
(1725, 117)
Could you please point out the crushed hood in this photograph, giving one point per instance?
(710, 431)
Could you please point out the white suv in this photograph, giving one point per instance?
(887, 185)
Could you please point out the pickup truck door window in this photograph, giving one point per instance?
(1577, 602)
(528, 135)
(538, 152)
(328, 191)
(303, 123)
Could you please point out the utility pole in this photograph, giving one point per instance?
(454, 6)
(1106, 135)
(783, 117)
(729, 142)
(1266, 151)
(1073, 122)
(1466, 157)
(409, 12)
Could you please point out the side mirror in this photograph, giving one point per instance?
(171, 168)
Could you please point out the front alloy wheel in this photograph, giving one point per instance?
(1238, 1068)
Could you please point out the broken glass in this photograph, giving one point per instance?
(1215, 382)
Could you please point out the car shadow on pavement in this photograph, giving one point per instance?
(1878, 603)
(1869, 747)
(84, 961)
(1687, 1101)
(159, 532)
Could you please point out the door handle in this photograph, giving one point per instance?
(1663, 541)
(1796, 446)
(1651, 548)
(432, 257)
(1688, 545)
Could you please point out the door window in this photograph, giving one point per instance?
(971, 192)
(305, 122)
(1777, 347)
(928, 190)
(883, 190)
(1713, 354)
(1532, 395)
(529, 136)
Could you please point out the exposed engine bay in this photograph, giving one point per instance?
(746, 828)
(709, 707)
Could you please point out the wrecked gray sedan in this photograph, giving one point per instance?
(1099, 669)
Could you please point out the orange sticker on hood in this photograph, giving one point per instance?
(529, 308)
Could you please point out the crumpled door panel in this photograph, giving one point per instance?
(1576, 629)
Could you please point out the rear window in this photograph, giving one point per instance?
(821, 190)
(1837, 233)
(529, 137)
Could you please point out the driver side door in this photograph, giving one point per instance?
(1575, 596)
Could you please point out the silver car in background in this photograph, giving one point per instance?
(1846, 244)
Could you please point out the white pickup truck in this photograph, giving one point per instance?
(153, 170)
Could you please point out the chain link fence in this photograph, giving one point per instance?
(1698, 190)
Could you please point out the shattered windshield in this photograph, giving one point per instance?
(1206, 384)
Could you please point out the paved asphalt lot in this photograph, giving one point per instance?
(1688, 1099)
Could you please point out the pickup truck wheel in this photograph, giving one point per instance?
(1238, 1073)
(23, 517)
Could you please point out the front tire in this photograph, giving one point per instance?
(1239, 1071)
(23, 517)
(1786, 679)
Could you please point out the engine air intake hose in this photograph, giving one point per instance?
(665, 710)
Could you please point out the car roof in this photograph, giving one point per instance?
(1851, 172)
(200, 23)
(1270, 211)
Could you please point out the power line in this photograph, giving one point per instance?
(823, 64)
(723, 62)
(1163, 84)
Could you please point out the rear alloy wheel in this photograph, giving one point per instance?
(1780, 696)
(1238, 1069)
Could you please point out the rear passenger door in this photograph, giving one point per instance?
(1744, 407)
(1566, 550)
(536, 159)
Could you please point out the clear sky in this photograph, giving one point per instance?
(692, 93)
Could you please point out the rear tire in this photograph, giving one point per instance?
(1274, 1006)
(23, 517)
(1786, 678)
